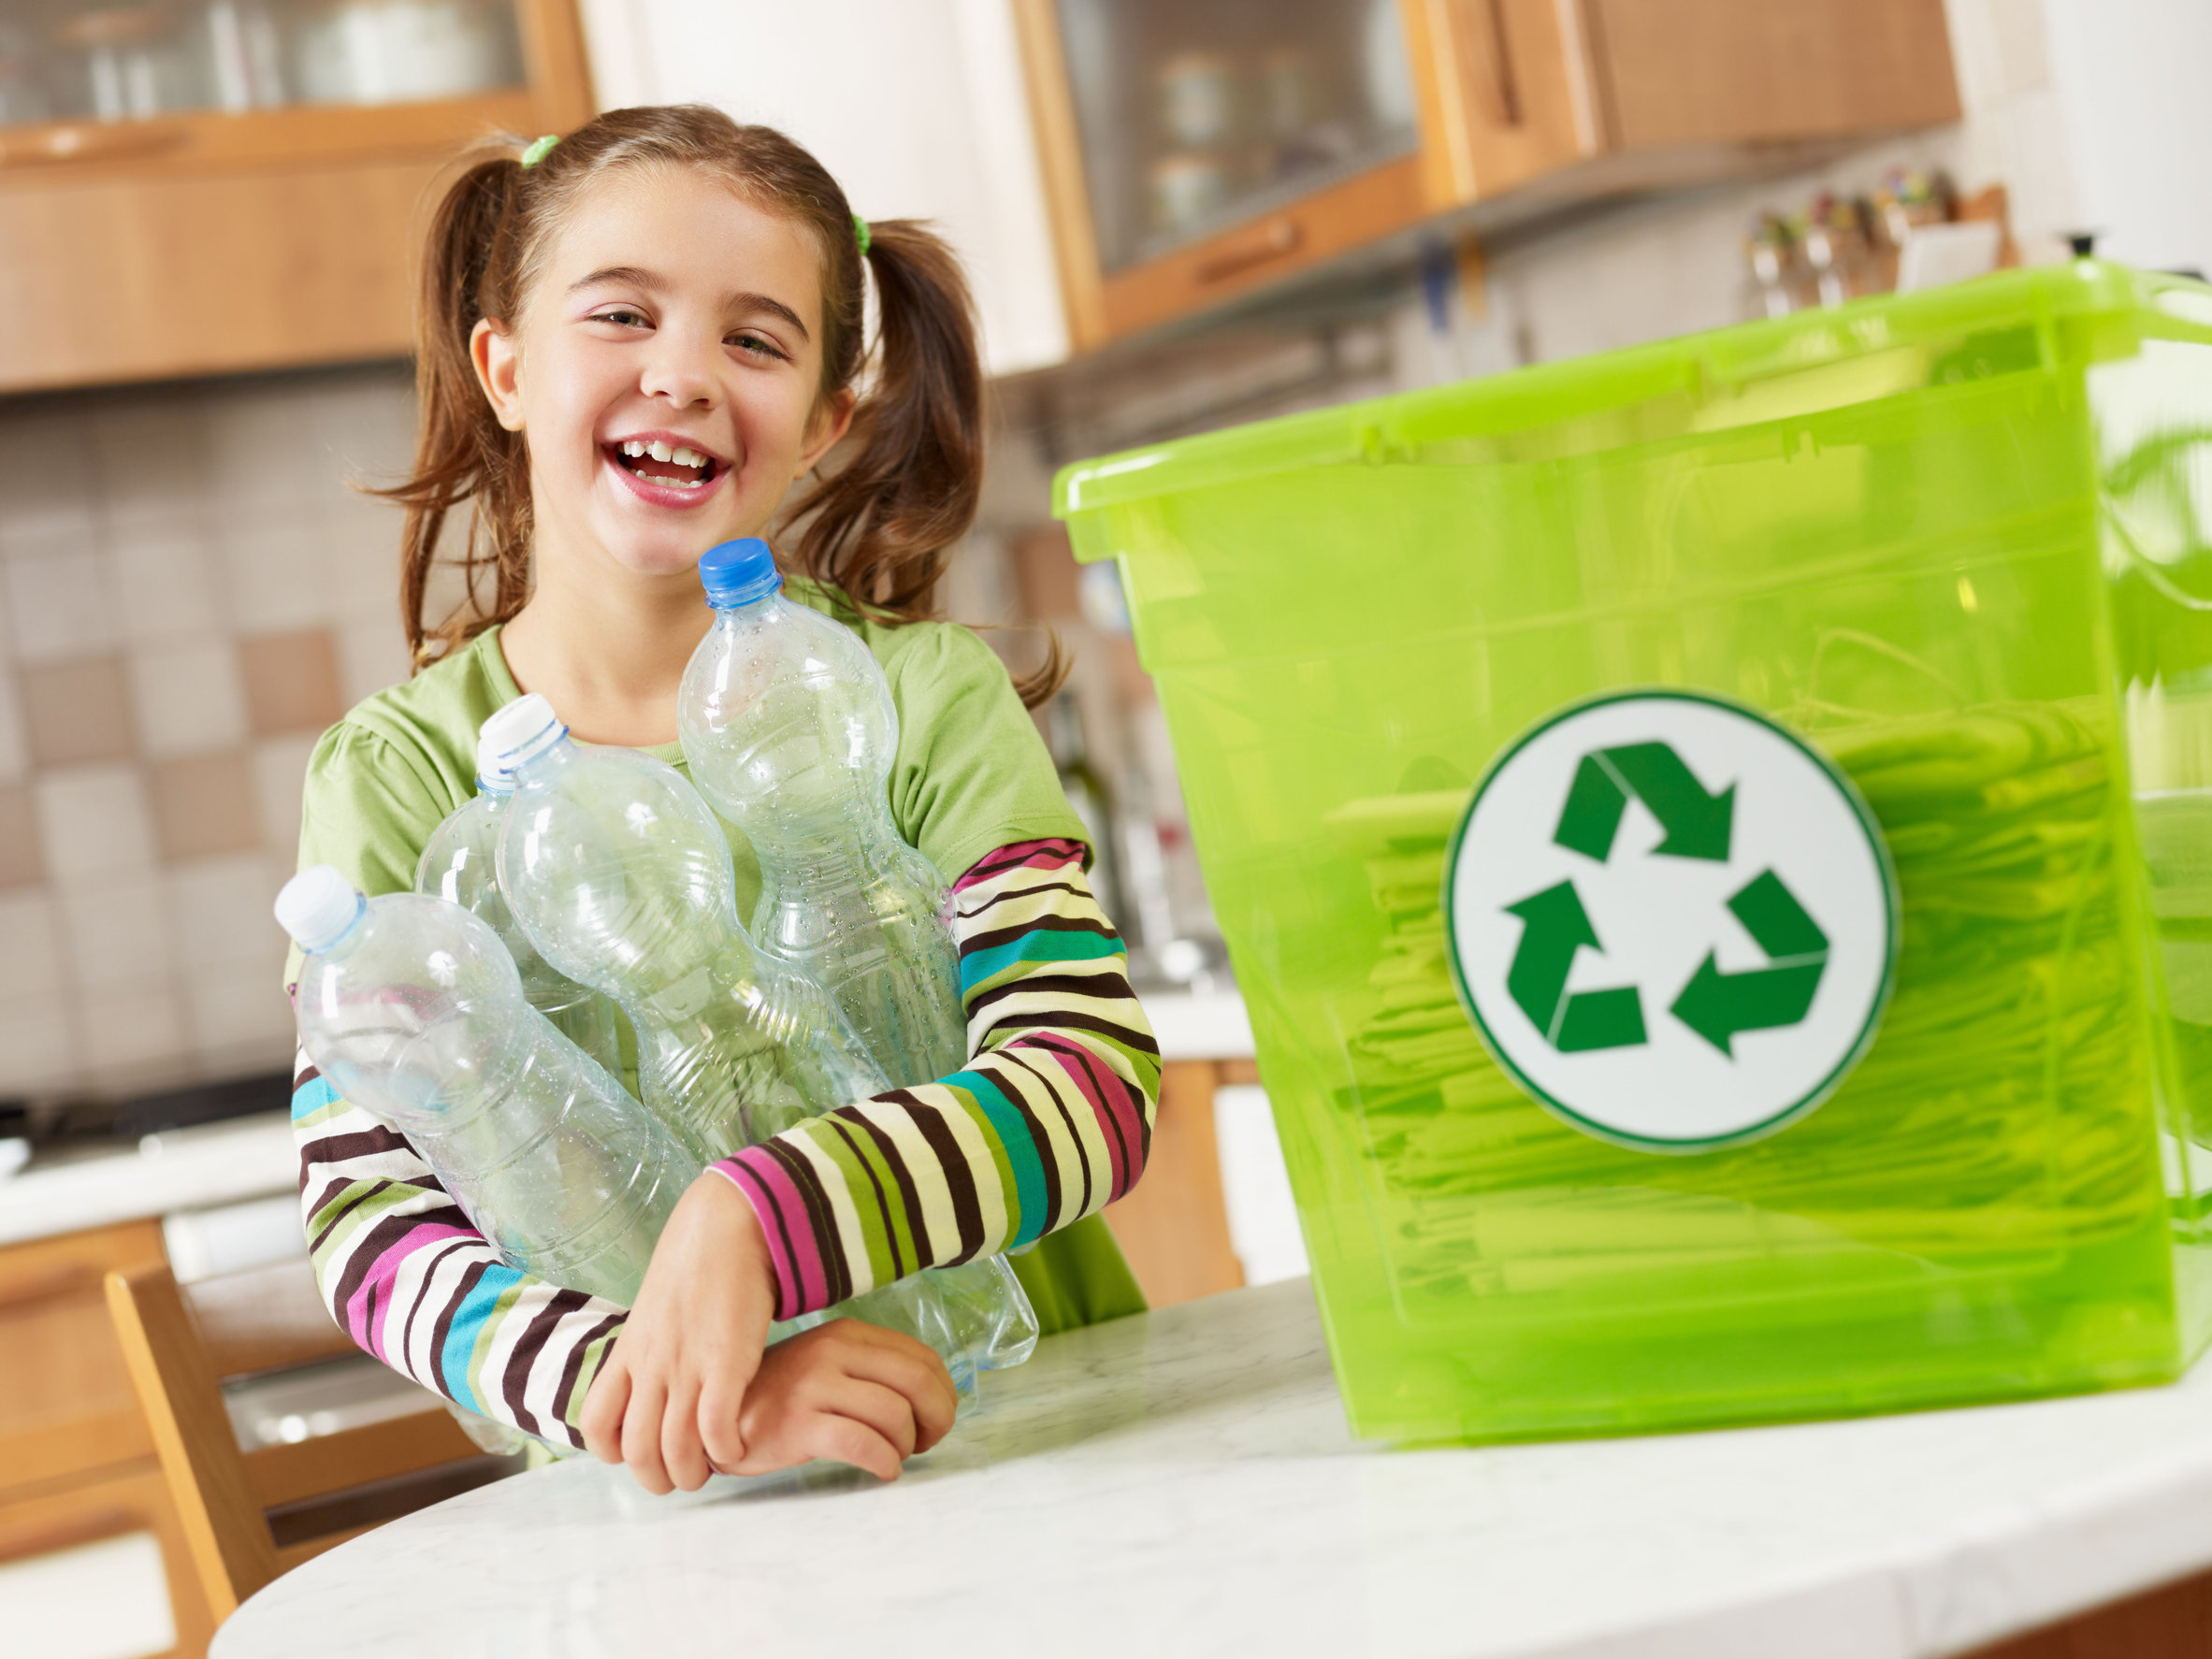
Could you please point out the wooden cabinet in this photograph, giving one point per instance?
(1507, 96)
(1195, 153)
(119, 1504)
(197, 203)
(76, 1466)
(66, 1403)
(1749, 71)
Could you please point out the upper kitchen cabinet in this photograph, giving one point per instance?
(917, 107)
(1196, 150)
(203, 186)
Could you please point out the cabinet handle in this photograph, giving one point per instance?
(1277, 241)
(1487, 52)
(87, 141)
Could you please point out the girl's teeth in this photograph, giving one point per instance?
(676, 454)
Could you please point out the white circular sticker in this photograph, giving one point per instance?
(1673, 922)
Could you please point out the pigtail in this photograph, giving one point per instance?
(881, 526)
(463, 455)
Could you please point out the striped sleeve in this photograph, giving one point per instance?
(405, 1274)
(1050, 1121)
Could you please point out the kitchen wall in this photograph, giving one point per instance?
(867, 87)
(2130, 85)
(189, 594)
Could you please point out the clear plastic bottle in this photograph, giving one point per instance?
(459, 864)
(619, 874)
(789, 727)
(412, 1010)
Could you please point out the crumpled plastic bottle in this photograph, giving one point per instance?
(459, 864)
(789, 727)
(411, 1009)
(619, 875)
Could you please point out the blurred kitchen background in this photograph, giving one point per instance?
(1178, 214)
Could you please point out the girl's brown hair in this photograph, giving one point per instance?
(877, 529)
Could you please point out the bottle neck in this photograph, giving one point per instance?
(770, 607)
(347, 940)
(537, 770)
(731, 974)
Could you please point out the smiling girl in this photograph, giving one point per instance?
(637, 342)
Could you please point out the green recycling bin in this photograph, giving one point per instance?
(1716, 841)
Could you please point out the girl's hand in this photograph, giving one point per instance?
(847, 1390)
(667, 1401)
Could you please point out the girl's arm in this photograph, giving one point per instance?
(1050, 1121)
(406, 1275)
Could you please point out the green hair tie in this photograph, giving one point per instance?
(860, 235)
(540, 148)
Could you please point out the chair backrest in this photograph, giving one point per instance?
(222, 1493)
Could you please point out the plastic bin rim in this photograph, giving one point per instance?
(1545, 394)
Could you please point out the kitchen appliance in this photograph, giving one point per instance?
(1711, 837)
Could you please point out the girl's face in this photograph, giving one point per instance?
(665, 370)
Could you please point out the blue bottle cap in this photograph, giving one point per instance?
(738, 572)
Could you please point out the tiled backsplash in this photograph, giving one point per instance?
(190, 592)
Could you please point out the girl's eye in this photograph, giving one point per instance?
(757, 345)
(626, 316)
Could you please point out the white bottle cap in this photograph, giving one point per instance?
(317, 907)
(514, 735)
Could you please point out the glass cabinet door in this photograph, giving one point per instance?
(1194, 115)
(97, 61)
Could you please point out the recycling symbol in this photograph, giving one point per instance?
(1715, 1004)
(1671, 919)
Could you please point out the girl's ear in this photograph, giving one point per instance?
(832, 417)
(499, 371)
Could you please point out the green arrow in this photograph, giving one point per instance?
(1772, 914)
(1718, 1006)
(1697, 823)
(1556, 926)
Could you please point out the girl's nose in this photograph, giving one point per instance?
(680, 370)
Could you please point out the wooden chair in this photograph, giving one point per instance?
(318, 1493)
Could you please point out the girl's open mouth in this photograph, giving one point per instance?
(665, 466)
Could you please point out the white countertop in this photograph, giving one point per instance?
(1183, 1483)
(1198, 1025)
(216, 1163)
